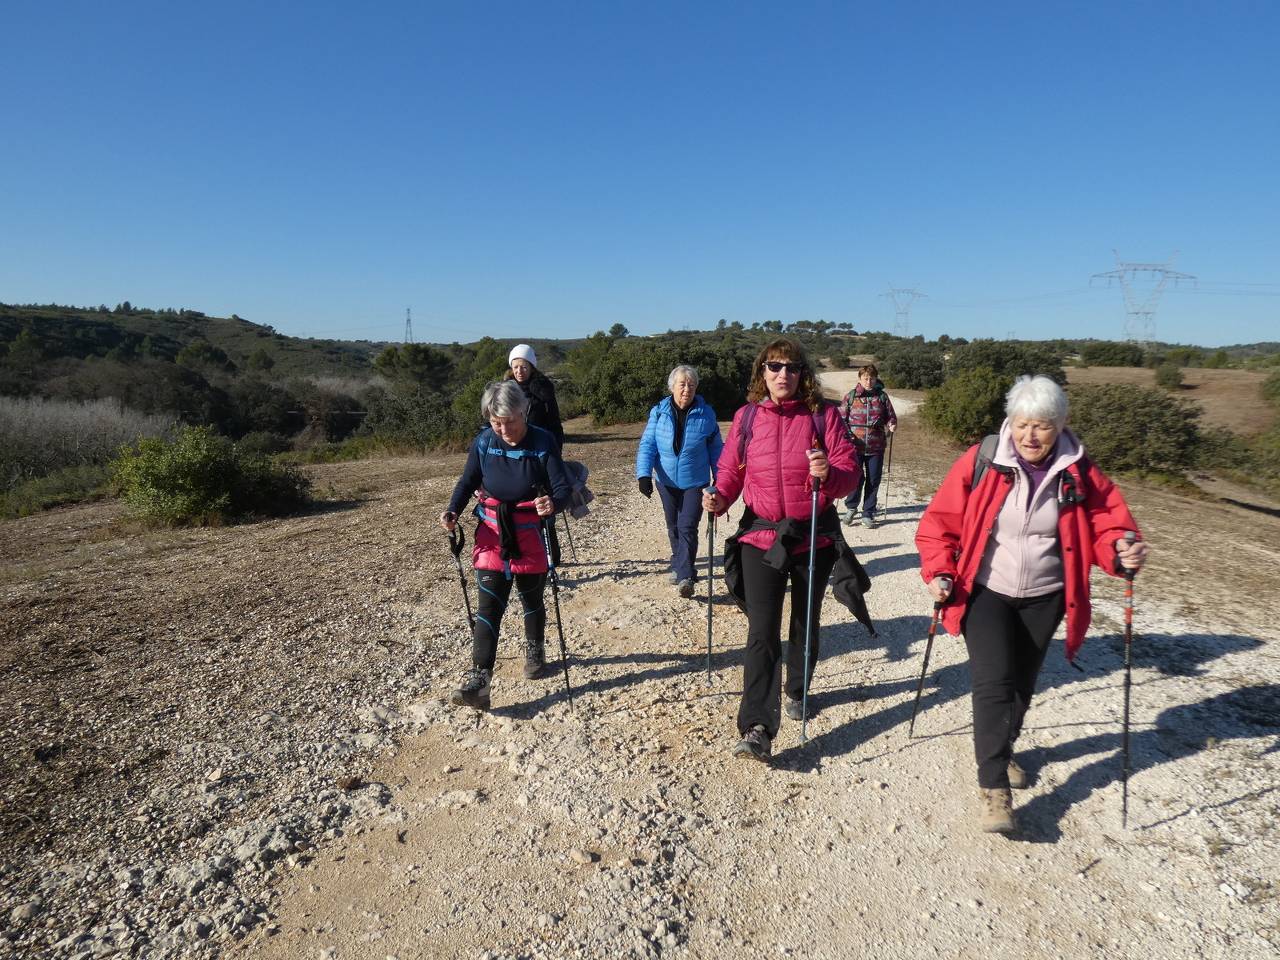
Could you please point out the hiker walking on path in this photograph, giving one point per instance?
(1014, 527)
(509, 461)
(682, 444)
(783, 442)
(868, 413)
(544, 412)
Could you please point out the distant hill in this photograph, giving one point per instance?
(127, 333)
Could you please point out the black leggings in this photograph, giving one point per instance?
(1007, 638)
(765, 588)
(494, 591)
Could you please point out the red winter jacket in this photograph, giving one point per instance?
(774, 481)
(952, 536)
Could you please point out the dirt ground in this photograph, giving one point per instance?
(169, 690)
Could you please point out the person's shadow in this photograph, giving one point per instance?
(1178, 732)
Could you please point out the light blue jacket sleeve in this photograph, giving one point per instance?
(647, 452)
(715, 443)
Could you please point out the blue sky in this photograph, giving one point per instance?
(549, 169)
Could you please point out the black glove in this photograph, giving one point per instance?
(646, 485)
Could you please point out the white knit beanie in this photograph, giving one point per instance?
(522, 351)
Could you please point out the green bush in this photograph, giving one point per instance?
(200, 477)
(1126, 428)
(262, 443)
(621, 383)
(1008, 358)
(969, 405)
(68, 485)
(1271, 388)
(839, 361)
(913, 368)
(1109, 353)
(1169, 376)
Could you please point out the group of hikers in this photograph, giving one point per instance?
(1006, 544)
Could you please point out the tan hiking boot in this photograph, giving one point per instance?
(1018, 778)
(997, 810)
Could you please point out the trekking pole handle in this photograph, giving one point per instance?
(1130, 537)
(945, 583)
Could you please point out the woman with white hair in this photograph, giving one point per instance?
(682, 444)
(517, 470)
(1006, 546)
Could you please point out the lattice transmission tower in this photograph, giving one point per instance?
(1140, 304)
(408, 326)
(902, 301)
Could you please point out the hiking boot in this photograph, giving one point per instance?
(1018, 778)
(685, 588)
(755, 744)
(474, 691)
(535, 661)
(850, 517)
(996, 815)
(793, 707)
(869, 521)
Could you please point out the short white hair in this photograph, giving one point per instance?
(1037, 398)
(503, 398)
(683, 370)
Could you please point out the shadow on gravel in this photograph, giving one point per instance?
(899, 561)
(1180, 731)
(634, 568)
(665, 665)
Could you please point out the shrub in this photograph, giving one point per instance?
(1131, 428)
(1109, 353)
(839, 361)
(969, 405)
(262, 443)
(200, 477)
(621, 384)
(1007, 358)
(1169, 376)
(68, 485)
(913, 368)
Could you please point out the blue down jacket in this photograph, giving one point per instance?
(699, 453)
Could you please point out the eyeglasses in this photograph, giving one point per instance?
(777, 366)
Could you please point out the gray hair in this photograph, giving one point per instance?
(503, 398)
(682, 370)
(1037, 398)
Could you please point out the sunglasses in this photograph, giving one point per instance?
(777, 366)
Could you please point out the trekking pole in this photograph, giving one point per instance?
(457, 539)
(555, 596)
(888, 473)
(1130, 537)
(569, 532)
(928, 649)
(808, 625)
(711, 576)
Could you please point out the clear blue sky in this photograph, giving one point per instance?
(549, 169)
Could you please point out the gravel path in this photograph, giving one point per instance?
(314, 796)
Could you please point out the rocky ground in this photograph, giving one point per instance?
(236, 742)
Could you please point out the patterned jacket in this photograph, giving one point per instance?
(868, 413)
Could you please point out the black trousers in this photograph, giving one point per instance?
(494, 589)
(765, 589)
(1007, 638)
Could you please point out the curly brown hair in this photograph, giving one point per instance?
(784, 348)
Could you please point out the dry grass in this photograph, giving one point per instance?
(1229, 398)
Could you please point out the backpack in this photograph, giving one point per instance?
(1067, 492)
(744, 429)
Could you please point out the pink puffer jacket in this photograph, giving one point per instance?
(774, 482)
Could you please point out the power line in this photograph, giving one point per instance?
(902, 299)
(1140, 313)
